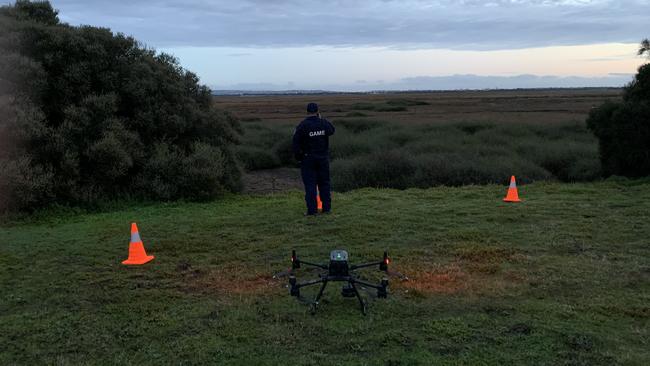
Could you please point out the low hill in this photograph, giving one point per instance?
(560, 279)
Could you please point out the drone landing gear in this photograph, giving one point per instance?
(348, 290)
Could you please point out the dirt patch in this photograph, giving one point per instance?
(223, 283)
(459, 276)
(272, 181)
(226, 281)
(443, 279)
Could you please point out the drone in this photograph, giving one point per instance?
(338, 270)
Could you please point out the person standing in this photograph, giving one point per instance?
(311, 149)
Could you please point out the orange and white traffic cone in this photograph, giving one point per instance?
(137, 255)
(319, 203)
(513, 195)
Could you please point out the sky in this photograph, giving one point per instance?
(360, 45)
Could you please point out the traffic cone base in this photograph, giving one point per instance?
(513, 195)
(319, 203)
(137, 254)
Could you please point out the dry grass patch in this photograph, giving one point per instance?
(229, 280)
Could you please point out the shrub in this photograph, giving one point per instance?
(439, 154)
(378, 107)
(24, 184)
(433, 145)
(460, 169)
(347, 145)
(390, 169)
(88, 115)
(623, 129)
(639, 88)
(256, 158)
(283, 149)
(363, 106)
(567, 162)
(391, 108)
(358, 125)
(406, 102)
(396, 136)
(356, 114)
(472, 128)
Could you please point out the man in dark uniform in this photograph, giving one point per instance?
(311, 148)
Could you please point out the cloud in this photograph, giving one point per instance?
(466, 24)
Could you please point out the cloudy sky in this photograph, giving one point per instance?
(384, 44)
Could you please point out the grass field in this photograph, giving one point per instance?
(561, 279)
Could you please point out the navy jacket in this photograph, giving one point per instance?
(311, 138)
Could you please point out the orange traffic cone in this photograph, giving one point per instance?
(137, 255)
(513, 195)
(319, 203)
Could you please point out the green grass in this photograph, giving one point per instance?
(560, 279)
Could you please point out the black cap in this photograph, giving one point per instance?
(312, 108)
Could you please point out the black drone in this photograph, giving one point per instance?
(339, 270)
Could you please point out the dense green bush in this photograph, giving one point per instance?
(257, 158)
(368, 152)
(623, 129)
(89, 115)
(385, 169)
(406, 102)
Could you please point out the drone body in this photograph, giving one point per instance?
(338, 270)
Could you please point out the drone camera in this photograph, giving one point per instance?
(339, 263)
(348, 291)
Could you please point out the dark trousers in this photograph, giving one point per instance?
(315, 173)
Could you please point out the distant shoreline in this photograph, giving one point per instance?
(230, 93)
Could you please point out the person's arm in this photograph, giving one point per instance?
(297, 143)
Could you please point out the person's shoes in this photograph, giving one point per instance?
(309, 214)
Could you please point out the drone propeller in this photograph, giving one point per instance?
(295, 264)
(383, 266)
